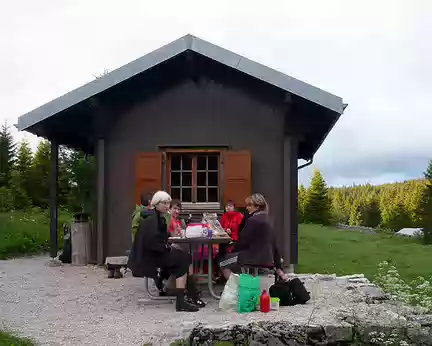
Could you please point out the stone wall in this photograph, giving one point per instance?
(345, 310)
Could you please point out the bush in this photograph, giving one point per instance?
(416, 293)
(27, 233)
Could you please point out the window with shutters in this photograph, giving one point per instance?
(194, 177)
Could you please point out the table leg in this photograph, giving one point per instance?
(210, 272)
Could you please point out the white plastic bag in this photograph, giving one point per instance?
(229, 297)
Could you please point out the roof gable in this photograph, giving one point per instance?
(188, 42)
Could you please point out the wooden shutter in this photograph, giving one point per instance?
(148, 174)
(237, 176)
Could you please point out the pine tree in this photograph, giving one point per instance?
(427, 206)
(356, 214)
(302, 193)
(21, 179)
(371, 213)
(428, 173)
(40, 175)
(7, 155)
(317, 207)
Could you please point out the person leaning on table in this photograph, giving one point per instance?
(151, 251)
(256, 245)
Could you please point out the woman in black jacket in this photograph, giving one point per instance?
(257, 242)
(151, 251)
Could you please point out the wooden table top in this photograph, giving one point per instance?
(201, 240)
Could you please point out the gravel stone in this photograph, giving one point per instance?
(79, 305)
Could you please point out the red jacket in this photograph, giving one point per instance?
(232, 220)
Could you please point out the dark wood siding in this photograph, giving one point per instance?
(191, 114)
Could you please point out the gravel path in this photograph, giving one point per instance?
(70, 305)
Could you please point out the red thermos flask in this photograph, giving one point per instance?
(265, 302)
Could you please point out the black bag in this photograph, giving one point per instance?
(66, 255)
(290, 293)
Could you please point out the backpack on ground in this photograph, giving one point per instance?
(290, 293)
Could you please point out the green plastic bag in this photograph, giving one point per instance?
(249, 292)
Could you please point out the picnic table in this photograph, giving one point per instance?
(204, 241)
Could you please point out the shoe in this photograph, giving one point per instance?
(182, 305)
(193, 295)
(195, 301)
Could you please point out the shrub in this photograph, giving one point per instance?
(26, 233)
(416, 293)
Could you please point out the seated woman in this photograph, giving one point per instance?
(175, 226)
(257, 243)
(151, 251)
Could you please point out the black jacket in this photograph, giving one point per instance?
(257, 242)
(149, 247)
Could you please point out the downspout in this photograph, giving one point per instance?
(305, 164)
(291, 268)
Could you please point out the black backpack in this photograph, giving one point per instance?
(290, 293)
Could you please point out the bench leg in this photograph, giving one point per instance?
(152, 296)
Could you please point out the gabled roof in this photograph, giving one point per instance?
(188, 42)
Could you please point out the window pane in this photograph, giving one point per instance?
(186, 178)
(213, 163)
(186, 163)
(202, 163)
(186, 195)
(201, 194)
(213, 195)
(213, 179)
(175, 178)
(175, 162)
(175, 193)
(202, 179)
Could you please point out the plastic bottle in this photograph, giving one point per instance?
(265, 302)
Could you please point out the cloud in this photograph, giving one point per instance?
(375, 54)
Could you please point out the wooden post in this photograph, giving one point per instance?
(290, 221)
(100, 222)
(53, 181)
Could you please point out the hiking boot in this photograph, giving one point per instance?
(193, 295)
(182, 304)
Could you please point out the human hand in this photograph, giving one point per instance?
(228, 230)
(282, 275)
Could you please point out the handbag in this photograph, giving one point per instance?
(249, 293)
(290, 293)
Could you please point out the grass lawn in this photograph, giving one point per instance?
(27, 232)
(329, 250)
(7, 339)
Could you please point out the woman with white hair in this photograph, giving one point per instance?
(151, 251)
(257, 242)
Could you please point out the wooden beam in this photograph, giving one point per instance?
(53, 201)
(100, 185)
(290, 221)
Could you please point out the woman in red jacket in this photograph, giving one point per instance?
(231, 220)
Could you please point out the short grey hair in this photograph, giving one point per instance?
(160, 196)
(258, 200)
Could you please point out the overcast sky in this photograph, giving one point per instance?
(377, 55)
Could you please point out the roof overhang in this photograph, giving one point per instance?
(188, 42)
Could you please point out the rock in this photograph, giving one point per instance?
(358, 280)
(353, 276)
(423, 320)
(372, 293)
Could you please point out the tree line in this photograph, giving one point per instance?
(388, 206)
(24, 176)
